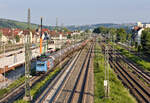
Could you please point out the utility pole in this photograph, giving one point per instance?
(56, 24)
(114, 49)
(4, 67)
(106, 81)
(13, 36)
(41, 37)
(47, 41)
(62, 27)
(27, 62)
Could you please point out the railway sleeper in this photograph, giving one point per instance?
(127, 83)
(134, 84)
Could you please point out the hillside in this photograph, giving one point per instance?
(6, 23)
(92, 26)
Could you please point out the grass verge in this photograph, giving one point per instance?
(38, 87)
(118, 93)
(16, 83)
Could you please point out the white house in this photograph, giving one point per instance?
(137, 32)
(138, 36)
(4, 39)
(139, 24)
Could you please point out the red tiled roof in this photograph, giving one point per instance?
(25, 32)
(10, 32)
(7, 32)
(136, 28)
(45, 30)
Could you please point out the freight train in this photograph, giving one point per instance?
(48, 61)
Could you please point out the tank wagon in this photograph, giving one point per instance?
(48, 61)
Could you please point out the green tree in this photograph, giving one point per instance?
(121, 35)
(1, 35)
(17, 38)
(145, 40)
(9, 42)
(129, 36)
(1, 40)
(96, 30)
(66, 30)
(68, 36)
(87, 30)
(101, 29)
(112, 31)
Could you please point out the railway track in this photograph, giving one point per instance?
(18, 92)
(73, 83)
(138, 89)
(135, 69)
(136, 86)
(79, 94)
(56, 83)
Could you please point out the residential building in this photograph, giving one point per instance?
(137, 32)
(139, 24)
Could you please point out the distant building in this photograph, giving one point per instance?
(147, 25)
(4, 39)
(9, 34)
(138, 36)
(139, 24)
(137, 32)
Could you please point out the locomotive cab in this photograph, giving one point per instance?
(41, 64)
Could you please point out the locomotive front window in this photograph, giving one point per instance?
(40, 64)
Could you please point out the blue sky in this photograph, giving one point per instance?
(77, 11)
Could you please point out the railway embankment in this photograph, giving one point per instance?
(145, 65)
(117, 92)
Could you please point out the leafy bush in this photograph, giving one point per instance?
(11, 86)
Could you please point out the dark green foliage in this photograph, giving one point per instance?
(112, 31)
(17, 38)
(1, 34)
(65, 29)
(121, 35)
(129, 36)
(139, 48)
(11, 86)
(145, 41)
(101, 29)
(68, 36)
(9, 42)
(0, 37)
(57, 49)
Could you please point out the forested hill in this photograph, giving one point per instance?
(6, 23)
(93, 26)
